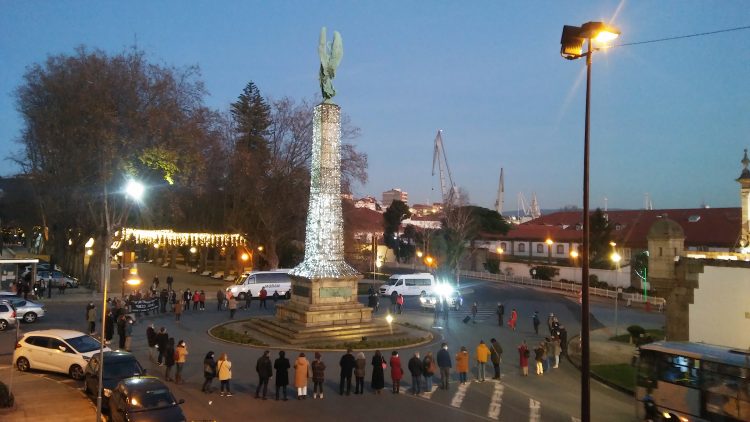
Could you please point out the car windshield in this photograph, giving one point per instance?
(392, 281)
(151, 399)
(240, 281)
(83, 344)
(122, 369)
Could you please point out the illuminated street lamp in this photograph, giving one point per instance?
(615, 257)
(429, 261)
(245, 257)
(571, 48)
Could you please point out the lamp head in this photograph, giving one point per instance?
(134, 189)
(571, 43)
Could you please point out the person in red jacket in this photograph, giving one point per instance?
(396, 371)
(513, 319)
(523, 354)
(262, 296)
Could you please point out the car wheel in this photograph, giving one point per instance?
(69, 285)
(29, 317)
(288, 294)
(241, 296)
(3, 324)
(76, 372)
(23, 364)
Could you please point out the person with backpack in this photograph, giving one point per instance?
(539, 358)
(496, 356)
(209, 371)
(265, 372)
(428, 370)
(523, 355)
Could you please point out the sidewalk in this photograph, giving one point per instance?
(39, 398)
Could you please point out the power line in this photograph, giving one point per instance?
(701, 34)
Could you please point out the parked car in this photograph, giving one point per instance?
(57, 279)
(64, 351)
(144, 399)
(118, 365)
(26, 310)
(454, 298)
(7, 314)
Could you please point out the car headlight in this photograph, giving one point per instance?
(107, 392)
(423, 300)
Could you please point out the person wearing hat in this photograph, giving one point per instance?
(318, 375)
(265, 372)
(462, 364)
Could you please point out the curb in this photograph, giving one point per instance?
(597, 377)
(432, 337)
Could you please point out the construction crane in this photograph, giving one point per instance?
(449, 192)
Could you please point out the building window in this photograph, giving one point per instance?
(659, 251)
(539, 248)
(521, 247)
(503, 247)
(560, 249)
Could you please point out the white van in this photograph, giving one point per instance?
(276, 280)
(409, 284)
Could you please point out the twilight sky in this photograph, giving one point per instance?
(669, 119)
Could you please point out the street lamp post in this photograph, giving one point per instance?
(500, 252)
(571, 42)
(134, 190)
(616, 259)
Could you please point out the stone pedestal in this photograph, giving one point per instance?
(324, 302)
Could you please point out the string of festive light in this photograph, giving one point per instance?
(172, 238)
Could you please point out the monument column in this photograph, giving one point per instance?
(744, 181)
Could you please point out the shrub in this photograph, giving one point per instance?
(636, 331)
(543, 272)
(6, 397)
(492, 265)
(593, 280)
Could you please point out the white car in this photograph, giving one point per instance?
(418, 284)
(7, 314)
(64, 351)
(277, 280)
(26, 310)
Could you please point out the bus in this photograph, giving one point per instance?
(693, 382)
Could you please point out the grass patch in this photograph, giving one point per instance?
(227, 334)
(370, 344)
(656, 333)
(414, 326)
(621, 374)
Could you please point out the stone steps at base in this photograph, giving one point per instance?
(303, 335)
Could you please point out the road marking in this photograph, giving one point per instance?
(496, 402)
(458, 398)
(535, 411)
(428, 394)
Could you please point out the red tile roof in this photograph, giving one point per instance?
(704, 227)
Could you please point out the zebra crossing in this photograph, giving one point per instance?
(486, 400)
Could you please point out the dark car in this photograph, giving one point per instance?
(144, 399)
(118, 365)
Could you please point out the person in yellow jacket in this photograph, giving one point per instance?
(483, 355)
(301, 376)
(224, 371)
(462, 364)
(181, 357)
